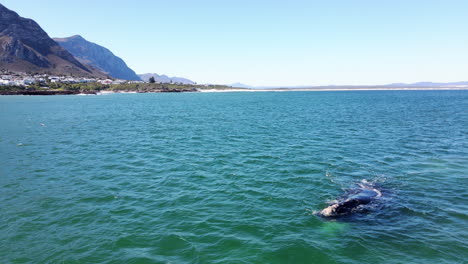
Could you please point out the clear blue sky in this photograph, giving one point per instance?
(271, 42)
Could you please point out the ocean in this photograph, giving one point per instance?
(233, 177)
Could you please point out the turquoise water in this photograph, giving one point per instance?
(233, 177)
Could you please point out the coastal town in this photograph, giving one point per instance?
(14, 83)
(25, 79)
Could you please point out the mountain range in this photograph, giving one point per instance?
(98, 56)
(164, 78)
(26, 47)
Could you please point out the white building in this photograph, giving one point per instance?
(107, 81)
(54, 79)
(6, 82)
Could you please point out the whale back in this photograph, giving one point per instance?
(351, 203)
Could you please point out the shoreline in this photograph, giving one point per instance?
(336, 89)
(103, 92)
(233, 90)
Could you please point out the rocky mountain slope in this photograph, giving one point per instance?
(26, 47)
(97, 56)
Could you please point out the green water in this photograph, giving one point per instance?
(233, 177)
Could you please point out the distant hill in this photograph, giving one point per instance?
(97, 56)
(26, 47)
(427, 84)
(240, 85)
(164, 78)
(392, 85)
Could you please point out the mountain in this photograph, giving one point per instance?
(240, 85)
(164, 78)
(97, 56)
(26, 47)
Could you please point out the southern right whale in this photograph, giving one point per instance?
(351, 202)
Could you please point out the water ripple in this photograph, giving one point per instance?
(232, 178)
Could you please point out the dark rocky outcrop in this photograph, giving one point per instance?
(26, 47)
(45, 92)
(97, 56)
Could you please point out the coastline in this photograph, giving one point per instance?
(45, 92)
(335, 89)
(86, 92)
(224, 90)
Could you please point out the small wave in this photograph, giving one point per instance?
(365, 184)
